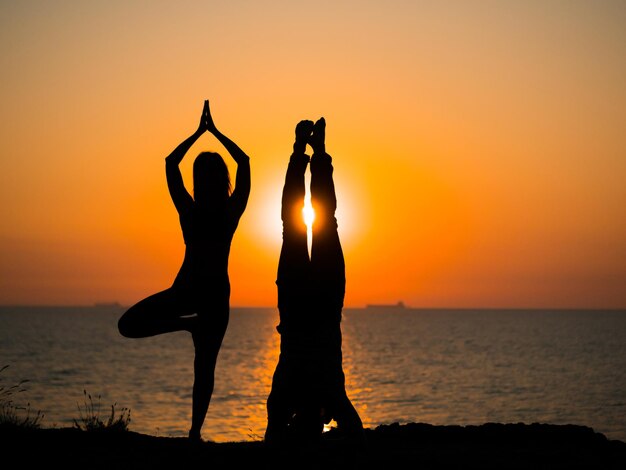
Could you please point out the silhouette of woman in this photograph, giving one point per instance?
(308, 386)
(199, 299)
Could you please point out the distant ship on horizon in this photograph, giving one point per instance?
(399, 305)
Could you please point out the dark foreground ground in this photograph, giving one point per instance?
(387, 447)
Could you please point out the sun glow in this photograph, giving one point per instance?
(308, 213)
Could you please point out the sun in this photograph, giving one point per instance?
(308, 213)
(265, 224)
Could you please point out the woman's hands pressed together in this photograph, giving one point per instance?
(206, 120)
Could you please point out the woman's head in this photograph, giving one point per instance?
(211, 179)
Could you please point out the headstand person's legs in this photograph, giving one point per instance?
(293, 284)
(294, 255)
(328, 273)
(326, 253)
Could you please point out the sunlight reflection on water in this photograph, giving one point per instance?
(439, 367)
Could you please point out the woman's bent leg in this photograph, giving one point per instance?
(160, 313)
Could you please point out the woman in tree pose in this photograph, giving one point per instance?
(199, 299)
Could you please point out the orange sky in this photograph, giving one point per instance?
(479, 147)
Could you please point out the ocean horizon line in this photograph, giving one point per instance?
(370, 307)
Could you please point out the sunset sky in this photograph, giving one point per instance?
(479, 147)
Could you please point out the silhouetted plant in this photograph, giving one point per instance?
(12, 414)
(90, 420)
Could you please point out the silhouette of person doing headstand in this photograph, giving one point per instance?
(308, 386)
(199, 299)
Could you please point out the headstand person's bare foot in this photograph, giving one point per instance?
(318, 137)
(303, 135)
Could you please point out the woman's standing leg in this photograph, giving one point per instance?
(208, 334)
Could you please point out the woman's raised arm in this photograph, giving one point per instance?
(239, 197)
(179, 194)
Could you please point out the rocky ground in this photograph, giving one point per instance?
(413, 445)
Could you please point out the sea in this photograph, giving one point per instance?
(437, 366)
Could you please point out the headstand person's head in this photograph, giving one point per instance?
(211, 179)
